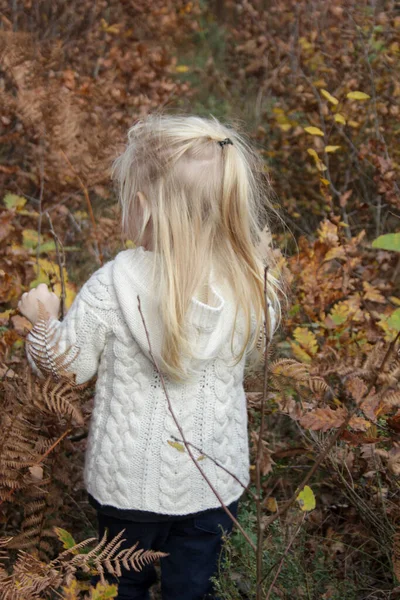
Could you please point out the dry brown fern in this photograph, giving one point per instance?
(36, 416)
(44, 348)
(32, 578)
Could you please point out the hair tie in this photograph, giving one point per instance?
(222, 143)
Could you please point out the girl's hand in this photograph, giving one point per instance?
(29, 303)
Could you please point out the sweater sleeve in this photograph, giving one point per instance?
(76, 343)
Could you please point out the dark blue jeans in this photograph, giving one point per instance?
(194, 547)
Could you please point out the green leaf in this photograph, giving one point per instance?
(30, 241)
(306, 499)
(394, 320)
(13, 201)
(30, 238)
(65, 537)
(389, 241)
(177, 445)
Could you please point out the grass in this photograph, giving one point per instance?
(308, 570)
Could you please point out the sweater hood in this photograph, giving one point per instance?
(210, 324)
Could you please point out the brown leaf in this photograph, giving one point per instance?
(36, 471)
(266, 461)
(359, 424)
(323, 419)
(369, 407)
(357, 388)
(21, 324)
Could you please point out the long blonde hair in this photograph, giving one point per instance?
(206, 202)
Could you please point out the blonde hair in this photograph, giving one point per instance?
(206, 202)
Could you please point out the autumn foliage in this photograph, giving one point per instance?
(316, 86)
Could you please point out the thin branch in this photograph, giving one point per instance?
(187, 445)
(39, 229)
(89, 205)
(61, 264)
(260, 528)
(201, 452)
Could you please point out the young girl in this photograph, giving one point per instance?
(192, 197)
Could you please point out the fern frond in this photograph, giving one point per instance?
(318, 385)
(392, 398)
(44, 348)
(287, 367)
(59, 398)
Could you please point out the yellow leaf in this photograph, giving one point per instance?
(177, 445)
(324, 181)
(181, 68)
(372, 293)
(306, 499)
(306, 339)
(331, 148)
(305, 44)
(318, 162)
(104, 591)
(71, 592)
(335, 253)
(109, 28)
(354, 124)
(312, 153)
(339, 118)
(358, 96)
(340, 313)
(329, 97)
(284, 126)
(328, 233)
(300, 354)
(314, 130)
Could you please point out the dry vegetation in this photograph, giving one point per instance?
(316, 85)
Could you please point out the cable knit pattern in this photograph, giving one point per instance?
(129, 462)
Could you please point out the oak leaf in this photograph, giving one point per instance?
(323, 419)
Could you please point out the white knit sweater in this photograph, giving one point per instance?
(129, 462)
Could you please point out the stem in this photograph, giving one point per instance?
(89, 205)
(61, 264)
(260, 527)
(218, 465)
(187, 445)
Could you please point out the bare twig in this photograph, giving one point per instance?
(61, 264)
(260, 528)
(89, 206)
(39, 229)
(187, 445)
(201, 452)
